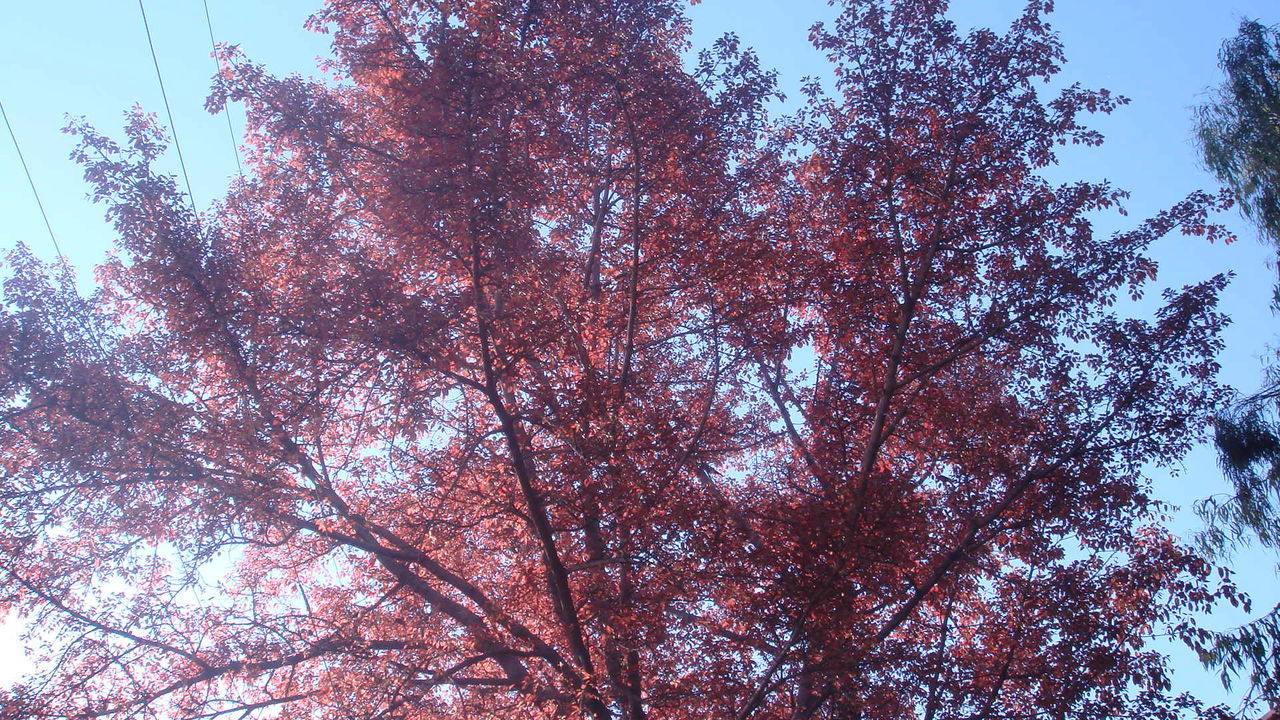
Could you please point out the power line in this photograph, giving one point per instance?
(68, 277)
(32, 183)
(169, 111)
(226, 109)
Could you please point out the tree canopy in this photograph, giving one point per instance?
(1239, 135)
(1239, 128)
(532, 373)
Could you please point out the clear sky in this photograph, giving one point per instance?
(90, 58)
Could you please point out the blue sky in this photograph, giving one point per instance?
(90, 58)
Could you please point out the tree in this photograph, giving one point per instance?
(1239, 135)
(1239, 128)
(532, 374)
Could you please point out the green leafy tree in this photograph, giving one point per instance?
(1239, 136)
(1239, 129)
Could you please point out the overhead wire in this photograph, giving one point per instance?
(32, 184)
(81, 312)
(173, 128)
(155, 60)
(226, 111)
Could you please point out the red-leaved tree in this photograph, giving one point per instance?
(532, 373)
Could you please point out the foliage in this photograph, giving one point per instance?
(1239, 128)
(532, 374)
(1239, 134)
